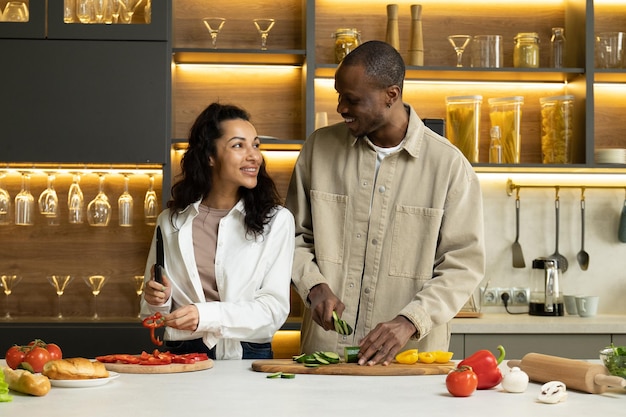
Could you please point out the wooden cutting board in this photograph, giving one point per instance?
(159, 369)
(289, 366)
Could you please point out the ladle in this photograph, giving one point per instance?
(556, 255)
(518, 255)
(582, 256)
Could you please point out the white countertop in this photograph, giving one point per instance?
(231, 388)
(491, 323)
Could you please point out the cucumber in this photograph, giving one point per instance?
(351, 354)
(287, 375)
(320, 359)
(275, 375)
(298, 357)
(341, 326)
(312, 365)
(331, 357)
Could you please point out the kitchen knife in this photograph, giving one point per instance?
(160, 257)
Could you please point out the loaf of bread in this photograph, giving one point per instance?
(74, 368)
(25, 382)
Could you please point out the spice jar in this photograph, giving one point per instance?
(463, 124)
(506, 112)
(526, 50)
(557, 129)
(346, 39)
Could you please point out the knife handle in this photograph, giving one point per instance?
(158, 273)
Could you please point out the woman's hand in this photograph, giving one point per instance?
(157, 294)
(185, 318)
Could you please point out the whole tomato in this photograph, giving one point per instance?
(54, 350)
(462, 381)
(15, 355)
(37, 358)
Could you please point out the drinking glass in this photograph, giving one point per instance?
(459, 42)
(75, 201)
(49, 202)
(69, 11)
(16, 11)
(125, 206)
(95, 283)
(9, 282)
(128, 8)
(99, 209)
(264, 26)
(214, 25)
(99, 9)
(84, 10)
(151, 204)
(115, 10)
(60, 283)
(5, 202)
(138, 283)
(24, 203)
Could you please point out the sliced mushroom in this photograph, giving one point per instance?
(553, 392)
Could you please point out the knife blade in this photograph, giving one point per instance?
(160, 257)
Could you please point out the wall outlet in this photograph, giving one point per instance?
(520, 296)
(501, 294)
(491, 297)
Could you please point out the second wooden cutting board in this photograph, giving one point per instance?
(159, 369)
(289, 366)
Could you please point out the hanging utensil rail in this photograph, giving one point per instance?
(512, 187)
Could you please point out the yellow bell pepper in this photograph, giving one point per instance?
(443, 357)
(407, 357)
(427, 357)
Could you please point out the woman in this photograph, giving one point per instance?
(228, 245)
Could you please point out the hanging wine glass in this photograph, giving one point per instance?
(125, 206)
(49, 202)
(151, 204)
(128, 8)
(75, 201)
(99, 9)
(95, 283)
(84, 10)
(99, 209)
(9, 282)
(5, 202)
(263, 26)
(138, 281)
(24, 203)
(60, 283)
(115, 10)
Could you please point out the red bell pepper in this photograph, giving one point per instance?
(485, 365)
(152, 323)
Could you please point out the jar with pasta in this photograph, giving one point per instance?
(506, 113)
(463, 124)
(557, 129)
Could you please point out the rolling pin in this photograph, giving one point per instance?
(575, 374)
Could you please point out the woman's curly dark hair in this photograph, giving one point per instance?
(196, 179)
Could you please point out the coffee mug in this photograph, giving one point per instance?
(587, 305)
(570, 304)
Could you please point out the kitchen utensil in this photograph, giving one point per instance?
(518, 255)
(575, 374)
(342, 368)
(621, 232)
(172, 368)
(545, 294)
(160, 257)
(556, 255)
(583, 256)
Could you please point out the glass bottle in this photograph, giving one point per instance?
(495, 147)
(526, 50)
(557, 53)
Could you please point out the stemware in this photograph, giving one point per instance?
(75, 201)
(99, 209)
(16, 11)
(95, 283)
(84, 10)
(125, 206)
(115, 10)
(151, 204)
(9, 282)
(5, 202)
(99, 9)
(49, 202)
(138, 282)
(60, 283)
(264, 26)
(69, 11)
(459, 42)
(128, 8)
(24, 203)
(214, 25)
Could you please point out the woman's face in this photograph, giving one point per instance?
(238, 157)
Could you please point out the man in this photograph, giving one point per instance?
(389, 221)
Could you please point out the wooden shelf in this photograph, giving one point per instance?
(238, 56)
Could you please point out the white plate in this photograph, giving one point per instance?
(83, 383)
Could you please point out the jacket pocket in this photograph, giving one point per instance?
(414, 241)
(329, 213)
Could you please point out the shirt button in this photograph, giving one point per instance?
(374, 241)
(351, 285)
(367, 291)
(364, 183)
(382, 189)
(358, 236)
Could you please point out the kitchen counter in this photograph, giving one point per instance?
(494, 323)
(231, 388)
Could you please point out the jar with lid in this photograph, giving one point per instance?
(346, 39)
(463, 124)
(526, 50)
(557, 129)
(506, 112)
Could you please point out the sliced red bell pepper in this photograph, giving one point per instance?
(152, 323)
(485, 366)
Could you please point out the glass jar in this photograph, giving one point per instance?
(526, 50)
(506, 112)
(346, 39)
(463, 124)
(557, 129)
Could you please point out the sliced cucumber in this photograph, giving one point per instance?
(351, 354)
(331, 357)
(285, 375)
(320, 359)
(298, 357)
(312, 365)
(275, 375)
(341, 326)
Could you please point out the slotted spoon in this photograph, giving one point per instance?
(518, 255)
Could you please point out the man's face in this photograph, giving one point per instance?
(361, 103)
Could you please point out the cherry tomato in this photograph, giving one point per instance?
(462, 381)
(37, 358)
(54, 350)
(15, 355)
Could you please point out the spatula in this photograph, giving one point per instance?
(518, 255)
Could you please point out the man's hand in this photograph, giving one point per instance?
(385, 341)
(323, 303)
